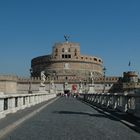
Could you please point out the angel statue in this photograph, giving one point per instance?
(43, 78)
(66, 37)
(91, 77)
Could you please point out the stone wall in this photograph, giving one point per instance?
(124, 102)
(15, 102)
(14, 84)
(8, 83)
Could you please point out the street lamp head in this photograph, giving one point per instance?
(104, 71)
(31, 70)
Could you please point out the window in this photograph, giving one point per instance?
(63, 49)
(66, 56)
(63, 56)
(95, 59)
(69, 56)
(56, 50)
(69, 50)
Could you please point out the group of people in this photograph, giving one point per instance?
(68, 94)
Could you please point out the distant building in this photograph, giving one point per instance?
(131, 81)
(66, 63)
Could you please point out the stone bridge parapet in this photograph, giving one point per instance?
(124, 102)
(12, 103)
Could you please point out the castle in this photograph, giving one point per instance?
(69, 69)
(67, 63)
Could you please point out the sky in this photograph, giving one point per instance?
(109, 29)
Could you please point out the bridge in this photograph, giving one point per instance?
(88, 117)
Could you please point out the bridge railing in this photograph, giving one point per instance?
(125, 102)
(13, 103)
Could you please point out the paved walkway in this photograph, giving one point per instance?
(70, 119)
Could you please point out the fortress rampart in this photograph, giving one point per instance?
(14, 84)
(8, 83)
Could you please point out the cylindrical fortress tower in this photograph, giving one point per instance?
(66, 62)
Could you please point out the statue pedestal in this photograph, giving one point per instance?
(42, 88)
(91, 88)
(52, 87)
(1, 93)
(51, 91)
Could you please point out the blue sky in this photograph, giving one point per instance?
(109, 29)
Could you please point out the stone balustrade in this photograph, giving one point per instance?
(124, 102)
(12, 103)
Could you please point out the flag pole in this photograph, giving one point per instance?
(129, 65)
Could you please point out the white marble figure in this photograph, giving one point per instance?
(43, 78)
(91, 86)
(91, 77)
(80, 85)
(52, 85)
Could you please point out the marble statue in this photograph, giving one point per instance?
(43, 78)
(91, 77)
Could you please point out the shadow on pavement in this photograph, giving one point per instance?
(119, 116)
(84, 113)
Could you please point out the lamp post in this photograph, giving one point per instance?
(54, 78)
(85, 86)
(30, 81)
(104, 72)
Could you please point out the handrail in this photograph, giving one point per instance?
(125, 102)
(12, 103)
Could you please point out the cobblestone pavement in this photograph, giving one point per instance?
(70, 119)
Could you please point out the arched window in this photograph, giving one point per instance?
(95, 59)
(56, 50)
(63, 50)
